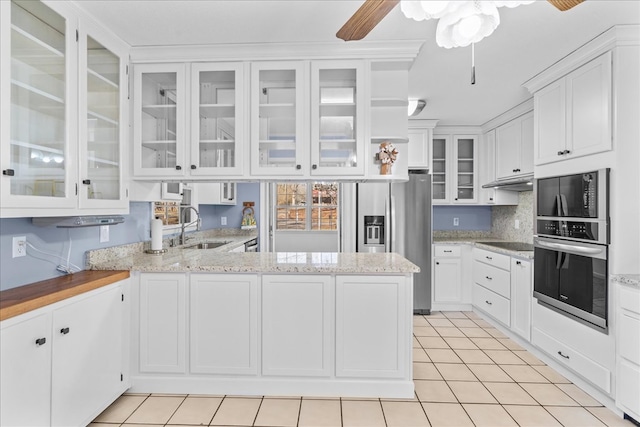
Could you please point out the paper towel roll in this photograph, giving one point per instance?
(156, 234)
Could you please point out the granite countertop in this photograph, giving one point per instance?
(477, 242)
(627, 279)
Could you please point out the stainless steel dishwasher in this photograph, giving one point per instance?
(251, 246)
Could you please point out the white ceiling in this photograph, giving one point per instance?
(528, 40)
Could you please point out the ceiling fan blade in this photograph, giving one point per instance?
(365, 19)
(563, 5)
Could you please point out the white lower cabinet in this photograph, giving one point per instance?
(370, 333)
(163, 332)
(223, 324)
(521, 297)
(449, 278)
(297, 324)
(628, 357)
(62, 364)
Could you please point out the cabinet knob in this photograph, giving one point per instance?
(437, 263)
(488, 278)
(566, 152)
(64, 331)
(8, 172)
(86, 181)
(488, 302)
(178, 168)
(560, 153)
(518, 263)
(488, 257)
(194, 167)
(298, 167)
(491, 199)
(455, 198)
(314, 167)
(41, 341)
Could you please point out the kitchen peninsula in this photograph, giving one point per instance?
(205, 321)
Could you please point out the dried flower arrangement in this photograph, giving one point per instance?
(386, 155)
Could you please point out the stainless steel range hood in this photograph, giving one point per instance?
(78, 221)
(521, 183)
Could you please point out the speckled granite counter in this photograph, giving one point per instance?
(477, 243)
(627, 279)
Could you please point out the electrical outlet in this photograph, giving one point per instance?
(223, 220)
(517, 224)
(104, 233)
(456, 222)
(19, 246)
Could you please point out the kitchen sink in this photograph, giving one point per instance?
(206, 245)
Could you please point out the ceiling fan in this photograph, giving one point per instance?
(373, 11)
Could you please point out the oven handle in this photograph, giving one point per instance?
(569, 248)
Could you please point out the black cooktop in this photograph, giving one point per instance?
(512, 246)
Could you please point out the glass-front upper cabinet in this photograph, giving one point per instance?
(159, 120)
(217, 119)
(277, 119)
(439, 168)
(466, 167)
(103, 95)
(337, 112)
(38, 89)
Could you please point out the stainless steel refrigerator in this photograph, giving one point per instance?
(396, 217)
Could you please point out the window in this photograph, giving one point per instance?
(307, 206)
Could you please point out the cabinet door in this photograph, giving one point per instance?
(279, 118)
(162, 322)
(589, 114)
(159, 143)
(521, 291)
(38, 104)
(526, 144)
(419, 140)
(447, 285)
(224, 324)
(25, 369)
(87, 357)
(103, 125)
(337, 118)
(549, 106)
(508, 144)
(297, 325)
(217, 119)
(440, 154)
(466, 167)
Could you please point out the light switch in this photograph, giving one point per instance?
(223, 220)
(456, 222)
(104, 233)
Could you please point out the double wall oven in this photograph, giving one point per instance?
(571, 245)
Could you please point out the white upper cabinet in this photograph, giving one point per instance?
(420, 136)
(514, 147)
(159, 103)
(62, 124)
(487, 173)
(454, 169)
(573, 114)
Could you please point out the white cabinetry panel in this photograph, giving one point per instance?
(628, 357)
(521, 297)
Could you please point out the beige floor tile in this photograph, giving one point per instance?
(434, 391)
(436, 315)
(531, 416)
(489, 373)
(574, 417)
(475, 332)
(416, 343)
(455, 314)
(136, 394)
(121, 409)
(471, 392)
(473, 356)
(482, 323)
(461, 343)
(375, 399)
(141, 425)
(442, 355)
(288, 397)
(529, 358)
(609, 418)
(449, 332)
(401, 399)
(426, 371)
(524, 374)
(420, 321)
(472, 315)
(446, 415)
(236, 411)
(504, 357)
(103, 425)
(404, 414)
(419, 355)
(548, 394)
(455, 372)
(278, 412)
(196, 410)
(578, 395)
(488, 343)
(510, 394)
(464, 323)
(495, 333)
(362, 414)
(489, 415)
(320, 413)
(551, 374)
(424, 331)
(156, 410)
(510, 344)
(432, 342)
(443, 322)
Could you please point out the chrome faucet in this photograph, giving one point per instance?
(182, 240)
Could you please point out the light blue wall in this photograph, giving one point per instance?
(36, 266)
(470, 217)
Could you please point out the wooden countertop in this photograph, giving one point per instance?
(23, 299)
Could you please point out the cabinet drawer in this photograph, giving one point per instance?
(447, 251)
(566, 356)
(492, 278)
(629, 299)
(493, 304)
(492, 258)
(629, 340)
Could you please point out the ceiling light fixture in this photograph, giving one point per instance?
(460, 23)
(415, 107)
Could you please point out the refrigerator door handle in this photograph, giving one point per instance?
(387, 225)
(392, 233)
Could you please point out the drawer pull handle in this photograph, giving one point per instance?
(448, 251)
(560, 353)
(488, 257)
(64, 331)
(488, 302)
(488, 278)
(41, 341)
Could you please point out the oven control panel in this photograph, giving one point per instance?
(572, 229)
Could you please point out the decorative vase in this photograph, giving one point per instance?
(385, 169)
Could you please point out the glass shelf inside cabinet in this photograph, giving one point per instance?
(277, 118)
(465, 171)
(159, 120)
(337, 110)
(38, 140)
(439, 169)
(217, 145)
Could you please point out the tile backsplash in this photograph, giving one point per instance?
(503, 219)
